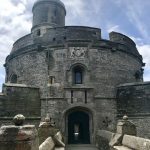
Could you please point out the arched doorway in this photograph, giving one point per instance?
(78, 128)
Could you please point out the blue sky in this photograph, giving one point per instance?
(130, 17)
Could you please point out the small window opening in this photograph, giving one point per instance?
(51, 80)
(38, 32)
(54, 39)
(13, 78)
(65, 38)
(55, 13)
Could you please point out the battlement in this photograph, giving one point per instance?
(22, 42)
(61, 35)
(122, 39)
(58, 35)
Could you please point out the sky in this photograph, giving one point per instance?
(129, 17)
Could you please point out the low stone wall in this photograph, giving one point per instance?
(124, 138)
(50, 138)
(136, 143)
(18, 138)
(26, 137)
(103, 138)
(54, 143)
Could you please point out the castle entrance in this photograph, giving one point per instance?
(78, 128)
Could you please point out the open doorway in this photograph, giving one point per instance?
(78, 128)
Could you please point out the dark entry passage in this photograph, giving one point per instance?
(78, 128)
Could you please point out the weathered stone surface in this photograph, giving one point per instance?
(116, 140)
(126, 127)
(59, 148)
(134, 99)
(19, 138)
(46, 130)
(105, 134)
(20, 99)
(48, 144)
(103, 138)
(136, 143)
(58, 138)
(121, 148)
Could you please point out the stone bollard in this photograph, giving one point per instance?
(19, 136)
(123, 127)
(46, 129)
(126, 127)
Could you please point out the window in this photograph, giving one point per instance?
(78, 75)
(38, 32)
(13, 78)
(51, 80)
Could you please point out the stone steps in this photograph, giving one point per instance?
(81, 147)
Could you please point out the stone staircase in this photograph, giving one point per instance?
(81, 147)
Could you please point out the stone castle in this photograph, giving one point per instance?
(82, 81)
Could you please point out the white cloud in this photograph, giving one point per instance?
(16, 21)
(136, 12)
(115, 28)
(145, 52)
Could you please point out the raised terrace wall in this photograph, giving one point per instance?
(124, 139)
(19, 99)
(133, 99)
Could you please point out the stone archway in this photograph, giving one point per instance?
(71, 116)
(78, 128)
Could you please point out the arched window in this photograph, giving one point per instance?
(13, 78)
(78, 75)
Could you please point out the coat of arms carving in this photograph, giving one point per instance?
(78, 52)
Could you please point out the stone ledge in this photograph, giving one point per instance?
(99, 97)
(136, 115)
(134, 84)
(105, 134)
(121, 148)
(18, 85)
(78, 87)
(136, 143)
(27, 118)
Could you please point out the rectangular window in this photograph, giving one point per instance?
(78, 77)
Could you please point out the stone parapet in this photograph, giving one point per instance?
(46, 129)
(19, 136)
(123, 139)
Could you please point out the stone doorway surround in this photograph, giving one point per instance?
(81, 109)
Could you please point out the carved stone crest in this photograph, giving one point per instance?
(77, 52)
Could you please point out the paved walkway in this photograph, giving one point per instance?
(81, 147)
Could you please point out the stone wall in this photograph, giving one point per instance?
(19, 136)
(103, 69)
(124, 139)
(134, 99)
(19, 99)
